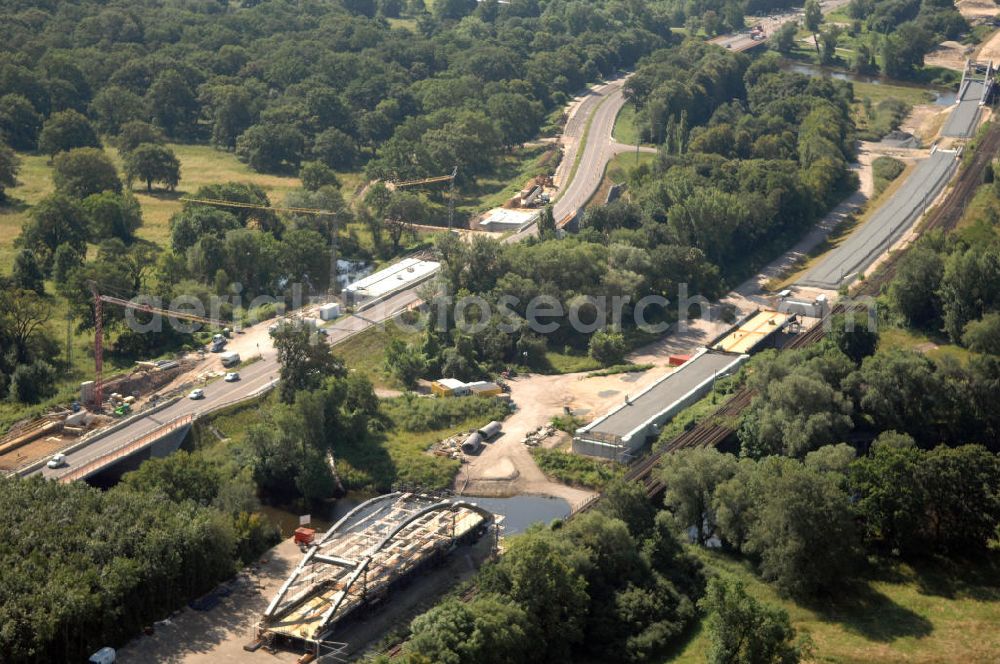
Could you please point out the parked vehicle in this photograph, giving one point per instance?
(57, 461)
(197, 394)
(232, 376)
(230, 359)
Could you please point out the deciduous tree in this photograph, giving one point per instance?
(744, 631)
(81, 172)
(151, 163)
(305, 359)
(66, 130)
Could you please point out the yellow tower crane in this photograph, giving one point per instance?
(434, 180)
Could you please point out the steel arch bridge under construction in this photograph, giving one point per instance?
(376, 544)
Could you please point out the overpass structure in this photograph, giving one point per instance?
(622, 432)
(888, 223)
(360, 558)
(975, 89)
(168, 435)
(740, 41)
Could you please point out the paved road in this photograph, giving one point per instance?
(741, 41)
(662, 395)
(853, 256)
(254, 377)
(603, 106)
(962, 121)
(603, 103)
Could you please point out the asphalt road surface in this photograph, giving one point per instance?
(603, 106)
(603, 103)
(663, 394)
(253, 378)
(963, 119)
(887, 225)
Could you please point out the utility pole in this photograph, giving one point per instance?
(69, 337)
(98, 347)
(334, 288)
(451, 198)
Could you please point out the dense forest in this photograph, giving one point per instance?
(85, 567)
(336, 82)
(308, 88)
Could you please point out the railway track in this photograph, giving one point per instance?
(717, 427)
(714, 429)
(946, 216)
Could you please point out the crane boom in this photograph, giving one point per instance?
(256, 206)
(128, 304)
(434, 180)
(99, 301)
(422, 181)
(293, 210)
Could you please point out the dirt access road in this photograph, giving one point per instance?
(218, 635)
(505, 467)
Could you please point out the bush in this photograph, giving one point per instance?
(416, 414)
(608, 347)
(884, 171)
(30, 383)
(576, 469)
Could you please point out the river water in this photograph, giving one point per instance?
(519, 512)
(942, 97)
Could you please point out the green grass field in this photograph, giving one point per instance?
(200, 165)
(365, 352)
(933, 612)
(619, 167)
(935, 347)
(625, 130)
(877, 92)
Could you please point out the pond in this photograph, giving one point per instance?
(519, 512)
(942, 97)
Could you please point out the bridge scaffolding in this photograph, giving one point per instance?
(360, 558)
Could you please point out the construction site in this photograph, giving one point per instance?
(376, 547)
(624, 431)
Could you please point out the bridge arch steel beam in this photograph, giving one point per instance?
(440, 506)
(308, 557)
(335, 528)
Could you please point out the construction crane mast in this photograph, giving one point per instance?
(334, 287)
(434, 180)
(99, 301)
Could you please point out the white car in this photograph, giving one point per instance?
(197, 394)
(57, 461)
(232, 376)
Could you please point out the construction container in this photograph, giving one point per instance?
(449, 387)
(678, 360)
(491, 430)
(304, 536)
(329, 311)
(87, 391)
(484, 389)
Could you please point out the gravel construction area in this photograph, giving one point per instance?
(886, 225)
